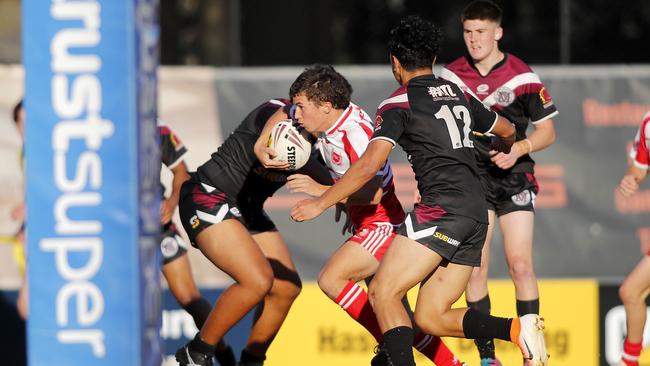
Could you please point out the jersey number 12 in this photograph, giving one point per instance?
(450, 116)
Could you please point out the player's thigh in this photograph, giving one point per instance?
(517, 228)
(485, 252)
(351, 262)
(278, 256)
(443, 288)
(639, 279)
(274, 247)
(405, 264)
(229, 245)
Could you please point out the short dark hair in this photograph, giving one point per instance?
(482, 10)
(321, 83)
(17, 109)
(415, 42)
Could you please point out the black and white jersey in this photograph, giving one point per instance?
(432, 119)
(172, 149)
(235, 161)
(511, 89)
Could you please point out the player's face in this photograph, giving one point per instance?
(481, 38)
(311, 116)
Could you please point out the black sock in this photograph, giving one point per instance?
(479, 325)
(485, 346)
(248, 357)
(198, 345)
(199, 309)
(527, 307)
(224, 355)
(398, 342)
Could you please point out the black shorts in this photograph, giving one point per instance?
(458, 239)
(510, 193)
(172, 245)
(202, 205)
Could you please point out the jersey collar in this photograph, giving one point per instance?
(470, 61)
(340, 121)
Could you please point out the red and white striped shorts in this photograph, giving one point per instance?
(375, 238)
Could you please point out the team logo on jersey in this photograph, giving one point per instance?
(235, 211)
(522, 198)
(168, 247)
(482, 89)
(545, 97)
(378, 122)
(194, 222)
(336, 158)
(504, 96)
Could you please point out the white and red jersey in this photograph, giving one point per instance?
(340, 147)
(640, 153)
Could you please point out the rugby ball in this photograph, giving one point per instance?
(291, 143)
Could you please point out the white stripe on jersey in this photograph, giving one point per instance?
(512, 84)
(277, 102)
(385, 139)
(401, 98)
(451, 76)
(177, 161)
(545, 118)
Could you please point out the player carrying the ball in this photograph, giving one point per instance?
(221, 208)
(321, 98)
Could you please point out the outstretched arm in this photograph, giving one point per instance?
(369, 194)
(359, 173)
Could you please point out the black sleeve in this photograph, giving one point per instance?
(172, 148)
(484, 119)
(390, 125)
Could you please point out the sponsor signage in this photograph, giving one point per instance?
(92, 182)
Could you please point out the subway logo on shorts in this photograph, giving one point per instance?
(446, 239)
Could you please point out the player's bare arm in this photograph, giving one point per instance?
(505, 133)
(630, 182)
(542, 137)
(369, 194)
(359, 174)
(168, 205)
(264, 153)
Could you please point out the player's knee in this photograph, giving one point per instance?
(521, 270)
(379, 292)
(260, 281)
(628, 294)
(327, 282)
(287, 290)
(186, 297)
(478, 276)
(428, 322)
